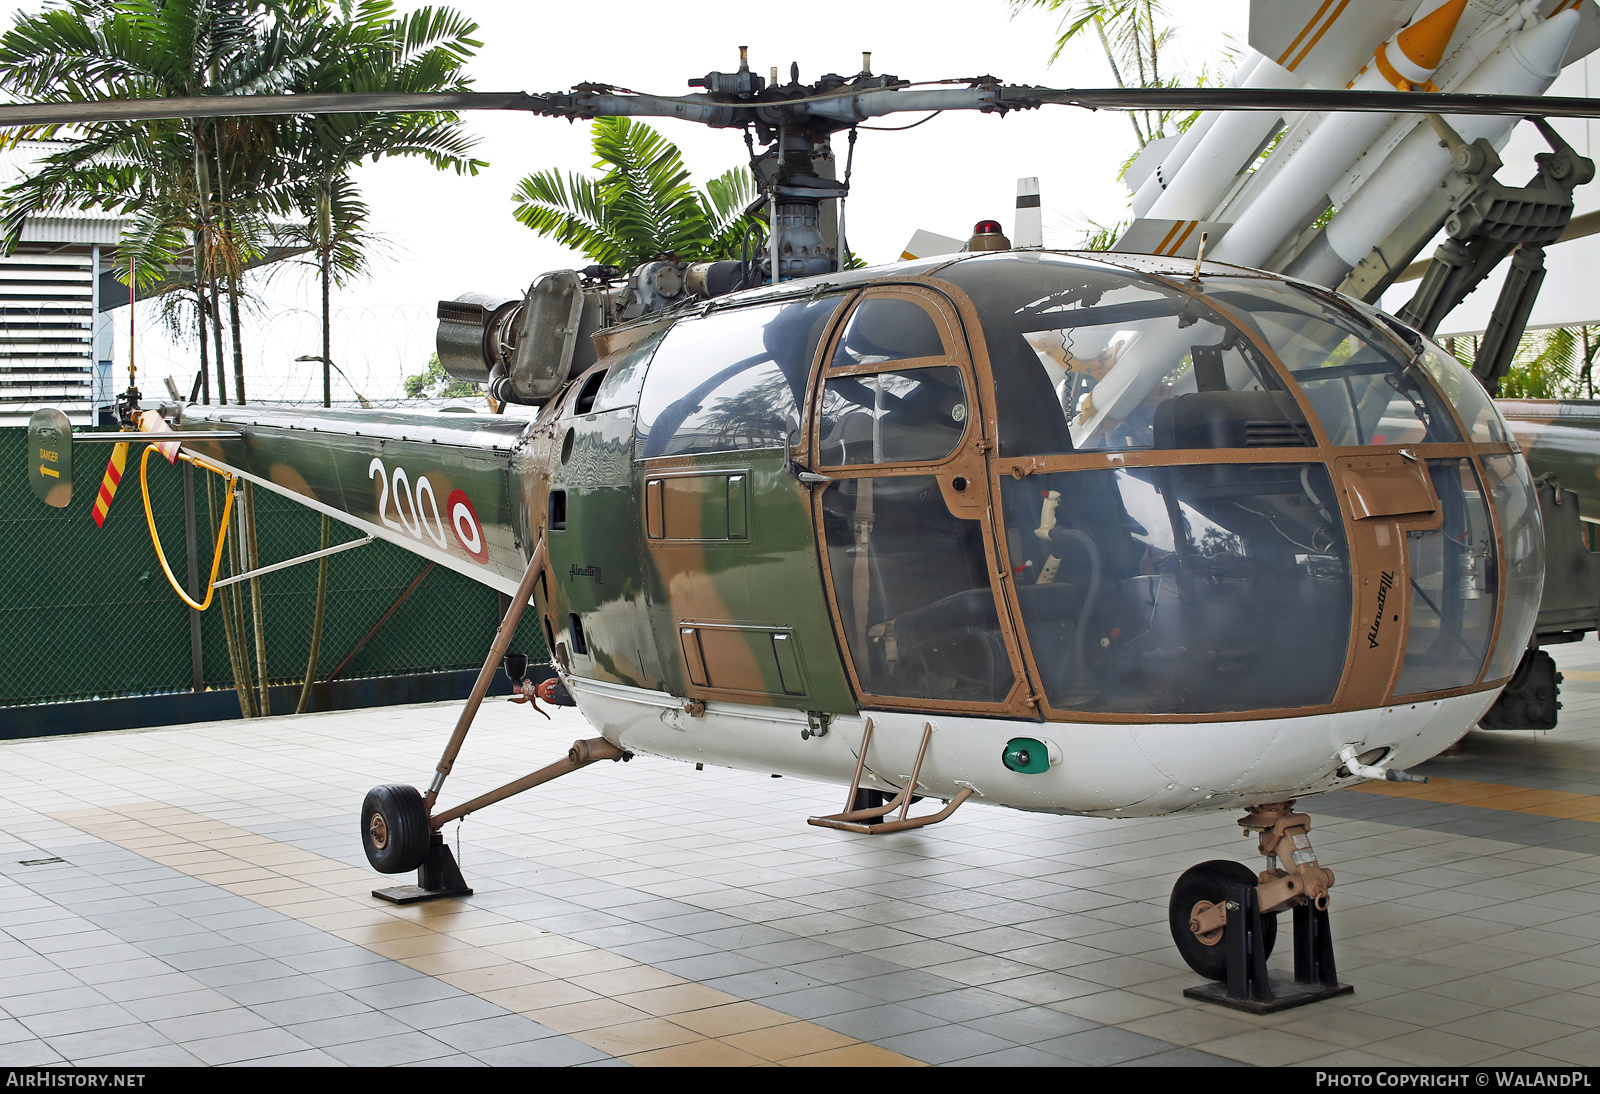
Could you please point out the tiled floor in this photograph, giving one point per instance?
(198, 895)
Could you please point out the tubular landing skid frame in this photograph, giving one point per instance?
(439, 876)
(870, 821)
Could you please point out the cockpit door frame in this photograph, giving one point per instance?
(962, 475)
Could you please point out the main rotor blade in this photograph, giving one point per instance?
(1301, 99)
(229, 106)
(842, 107)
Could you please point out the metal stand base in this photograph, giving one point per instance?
(1249, 986)
(438, 877)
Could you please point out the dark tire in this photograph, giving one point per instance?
(394, 829)
(1208, 882)
(869, 799)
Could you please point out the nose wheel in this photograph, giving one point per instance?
(1224, 919)
(1200, 889)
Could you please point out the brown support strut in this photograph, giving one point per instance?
(581, 755)
(491, 664)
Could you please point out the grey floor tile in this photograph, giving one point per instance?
(943, 1044)
(406, 1048)
(407, 992)
(241, 1047)
(347, 1029)
(108, 1042)
(1181, 1057)
(437, 1013)
(1104, 1047)
(881, 1021)
(547, 1052)
(159, 1056)
(490, 1033)
(309, 1008)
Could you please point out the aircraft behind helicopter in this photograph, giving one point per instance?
(1101, 534)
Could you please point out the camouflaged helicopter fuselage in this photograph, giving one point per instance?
(695, 575)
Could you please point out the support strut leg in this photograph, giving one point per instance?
(491, 664)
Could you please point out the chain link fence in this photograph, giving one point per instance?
(86, 612)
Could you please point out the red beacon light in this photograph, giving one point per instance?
(988, 236)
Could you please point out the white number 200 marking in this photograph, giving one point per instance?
(418, 520)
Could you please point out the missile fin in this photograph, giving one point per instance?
(1324, 43)
(1178, 238)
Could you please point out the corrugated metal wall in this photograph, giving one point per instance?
(46, 334)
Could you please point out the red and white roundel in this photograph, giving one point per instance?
(464, 523)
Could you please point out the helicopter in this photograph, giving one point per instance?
(1107, 535)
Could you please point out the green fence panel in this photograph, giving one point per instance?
(85, 612)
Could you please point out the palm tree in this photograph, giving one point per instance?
(643, 207)
(1132, 35)
(371, 51)
(209, 188)
(178, 180)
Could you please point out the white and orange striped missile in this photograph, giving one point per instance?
(1299, 189)
(1526, 64)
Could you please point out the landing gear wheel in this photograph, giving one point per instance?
(1207, 884)
(394, 829)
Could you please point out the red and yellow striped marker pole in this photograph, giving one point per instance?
(108, 484)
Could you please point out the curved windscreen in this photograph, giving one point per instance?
(1357, 380)
(1454, 582)
(1473, 405)
(1523, 570)
(1091, 358)
(1189, 589)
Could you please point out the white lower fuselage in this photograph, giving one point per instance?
(1096, 769)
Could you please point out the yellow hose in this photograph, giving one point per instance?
(155, 538)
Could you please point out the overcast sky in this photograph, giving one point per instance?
(445, 235)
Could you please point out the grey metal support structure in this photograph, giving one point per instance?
(94, 333)
(1488, 223)
(1471, 166)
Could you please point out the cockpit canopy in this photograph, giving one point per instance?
(1090, 357)
(1201, 495)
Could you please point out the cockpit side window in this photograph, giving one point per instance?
(1087, 358)
(733, 380)
(1361, 388)
(888, 328)
(914, 415)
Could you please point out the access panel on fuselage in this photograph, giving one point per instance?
(735, 593)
